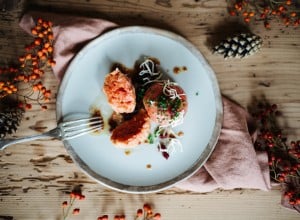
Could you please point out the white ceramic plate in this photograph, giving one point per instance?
(81, 90)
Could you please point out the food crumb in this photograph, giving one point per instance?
(179, 69)
(127, 152)
(149, 166)
(180, 133)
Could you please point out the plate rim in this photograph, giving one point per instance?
(210, 145)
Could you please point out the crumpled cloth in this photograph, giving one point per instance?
(234, 163)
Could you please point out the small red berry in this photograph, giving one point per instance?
(139, 212)
(157, 216)
(72, 195)
(81, 197)
(76, 211)
(232, 13)
(147, 207)
(64, 204)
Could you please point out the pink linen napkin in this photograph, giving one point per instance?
(234, 162)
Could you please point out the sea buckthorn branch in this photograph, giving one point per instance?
(67, 206)
(145, 213)
(266, 11)
(24, 81)
(284, 157)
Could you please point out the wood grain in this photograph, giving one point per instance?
(36, 177)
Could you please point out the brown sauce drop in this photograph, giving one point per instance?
(95, 113)
(180, 133)
(179, 69)
(149, 166)
(127, 152)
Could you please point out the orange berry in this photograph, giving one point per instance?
(45, 24)
(28, 56)
(38, 27)
(38, 41)
(28, 106)
(5, 88)
(47, 44)
(77, 195)
(64, 204)
(47, 94)
(116, 217)
(40, 86)
(293, 14)
(247, 19)
(288, 2)
(157, 216)
(139, 213)
(41, 35)
(251, 14)
(44, 56)
(72, 195)
(20, 105)
(34, 31)
(40, 53)
(36, 70)
(232, 13)
(50, 36)
(34, 63)
(21, 59)
(297, 22)
(286, 21)
(245, 14)
(40, 20)
(267, 25)
(122, 217)
(50, 49)
(281, 8)
(76, 211)
(35, 88)
(41, 72)
(26, 79)
(147, 207)
(21, 77)
(104, 217)
(266, 10)
(46, 99)
(33, 76)
(51, 62)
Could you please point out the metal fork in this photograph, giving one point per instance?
(64, 131)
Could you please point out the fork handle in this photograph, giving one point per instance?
(54, 133)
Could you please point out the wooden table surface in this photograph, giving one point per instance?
(35, 177)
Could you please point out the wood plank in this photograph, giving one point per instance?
(36, 177)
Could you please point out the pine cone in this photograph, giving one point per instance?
(239, 46)
(9, 121)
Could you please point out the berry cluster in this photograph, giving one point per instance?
(284, 157)
(24, 80)
(265, 11)
(146, 213)
(67, 206)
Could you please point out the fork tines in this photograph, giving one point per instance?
(76, 128)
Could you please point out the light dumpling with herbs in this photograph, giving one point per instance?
(166, 103)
